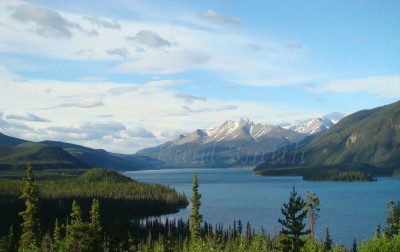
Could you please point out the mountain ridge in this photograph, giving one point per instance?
(368, 136)
(15, 153)
(223, 145)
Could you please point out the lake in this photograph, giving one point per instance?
(350, 210)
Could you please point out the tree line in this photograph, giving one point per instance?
(80, 233)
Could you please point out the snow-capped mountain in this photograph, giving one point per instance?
(222, 145)
(242, 130)
(312, 126)
(316, 125)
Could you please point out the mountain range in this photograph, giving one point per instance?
(225, 144)
(368, 137)
(15, 153)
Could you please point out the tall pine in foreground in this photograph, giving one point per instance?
(30, 226)
(294, 213)
(195, 218)
(312, 209)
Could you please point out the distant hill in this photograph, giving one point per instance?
(15, 153)
(366, 137)
(40, 156)
(226, 144)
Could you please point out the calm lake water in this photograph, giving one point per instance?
(350, 210)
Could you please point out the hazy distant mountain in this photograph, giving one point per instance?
(366, 137)
(223, 145)
(16, 153)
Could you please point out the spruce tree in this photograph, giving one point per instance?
(393, 219)
(328, 240)
(95, 227)
(57, 235)
(378, 231)
(77, 231)
(11, 246)
(354, 248)
(294, 213)
(30, 226)
(195, 217)
(312, 209)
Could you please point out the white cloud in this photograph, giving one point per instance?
(140, 132)
(190, 98)
(45, 22)
(212, 17)
(150, 39)
(30, 117)
(385, 86)
(122, 52)
(101, 22)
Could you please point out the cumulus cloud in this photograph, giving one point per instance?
(101, 22)
(121, 52)
(90, 131)
(213, 17)
(150, 39)
(140, 132)
(294, 46)
(30, 117)
(6, 125)
(190, 98)
(47, 23)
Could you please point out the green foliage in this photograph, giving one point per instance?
(294, 213)
(366, 137)
(312, 209)
(328, 241)
(30, 225)
(195, 218)
(380, 244)
(393, 219)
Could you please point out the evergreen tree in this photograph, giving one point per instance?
(312, 209)
(393, 219)
(76, 230)
(95, 227)
(11, 246)
(195, 217)
(30, 225)
(47, 244)
(378, 231)
(57, 235)
(354, 248)
(294, 213)
(328, 240)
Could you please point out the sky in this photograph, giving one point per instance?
(123, 75)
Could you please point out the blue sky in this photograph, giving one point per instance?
(123, 75)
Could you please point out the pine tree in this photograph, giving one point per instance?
(294, 213)
(76, 231)
(393, 219)
(328, 240)
(95, 227)
(11, 246)
(312, 209)
(354, 248)
(56, 235)
(30, 226)
(195, 217)
(378, 231)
